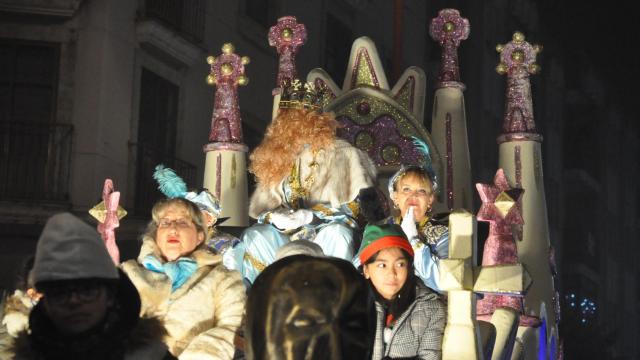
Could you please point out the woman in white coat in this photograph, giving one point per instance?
(184, 283)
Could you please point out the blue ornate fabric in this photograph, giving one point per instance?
(178, 271)
(331, 228)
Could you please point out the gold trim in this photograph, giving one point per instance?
(322, 209)
(355, 208)
(254, 262)
(300, 191)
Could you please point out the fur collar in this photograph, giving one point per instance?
(16, 312)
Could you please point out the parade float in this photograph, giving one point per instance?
(503, 306)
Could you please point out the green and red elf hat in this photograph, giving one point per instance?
(378, 237)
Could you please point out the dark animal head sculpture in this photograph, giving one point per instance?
(304, 307)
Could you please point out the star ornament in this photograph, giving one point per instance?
(108, 205)
(500, 202)
(99, 212)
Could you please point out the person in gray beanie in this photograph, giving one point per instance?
(89, 309)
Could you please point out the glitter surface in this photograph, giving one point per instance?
(518, 58)
(379, 107)
(363, 73)
(556, 306)
(287, 46)
(363, 108)
(405, 97)
(552, 261)
(449, 162)
(489, 212)
(390, 153)
(500, 208)
(225, 146)
(449, 29)
(218, 177)
(387, 145)
(364, 140)
(234, 171)
(386, 122)
(327, 95)
(518, 161)
(226, 122)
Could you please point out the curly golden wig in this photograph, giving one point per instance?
(285, 139)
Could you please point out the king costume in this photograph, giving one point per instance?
(308, 181)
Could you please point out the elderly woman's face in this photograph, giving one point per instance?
(177, 234)
(411, 190)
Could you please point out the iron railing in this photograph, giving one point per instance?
(147, 158)
(185, 17)
(35, 159)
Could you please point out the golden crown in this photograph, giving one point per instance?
(298, 95)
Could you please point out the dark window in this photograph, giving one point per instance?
(157, 138)
(34, 151)
(185, 17)
(158, 113)
(338, 47)
(28, 81)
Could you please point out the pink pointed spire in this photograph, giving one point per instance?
(517, 60)
(227, 72)
(287, 36)
(501, 208)
(108, 213)
(449, 29)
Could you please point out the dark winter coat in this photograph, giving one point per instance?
(69, 249)
(113, 340)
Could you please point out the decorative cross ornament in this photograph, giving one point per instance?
(517, 60)
(287, 36)
(227, 72)
(449, 29)
(108, 213)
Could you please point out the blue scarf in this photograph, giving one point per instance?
(178, 271)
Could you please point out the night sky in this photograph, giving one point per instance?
(601, 32)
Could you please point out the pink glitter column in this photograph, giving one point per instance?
(287, 36)
(517, 60)
(449, 29)
(500, 208)
(227, 72)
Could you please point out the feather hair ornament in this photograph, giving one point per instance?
(425, 166)
(169, 183)
(423, 148)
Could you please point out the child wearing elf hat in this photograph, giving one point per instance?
(410, 316)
